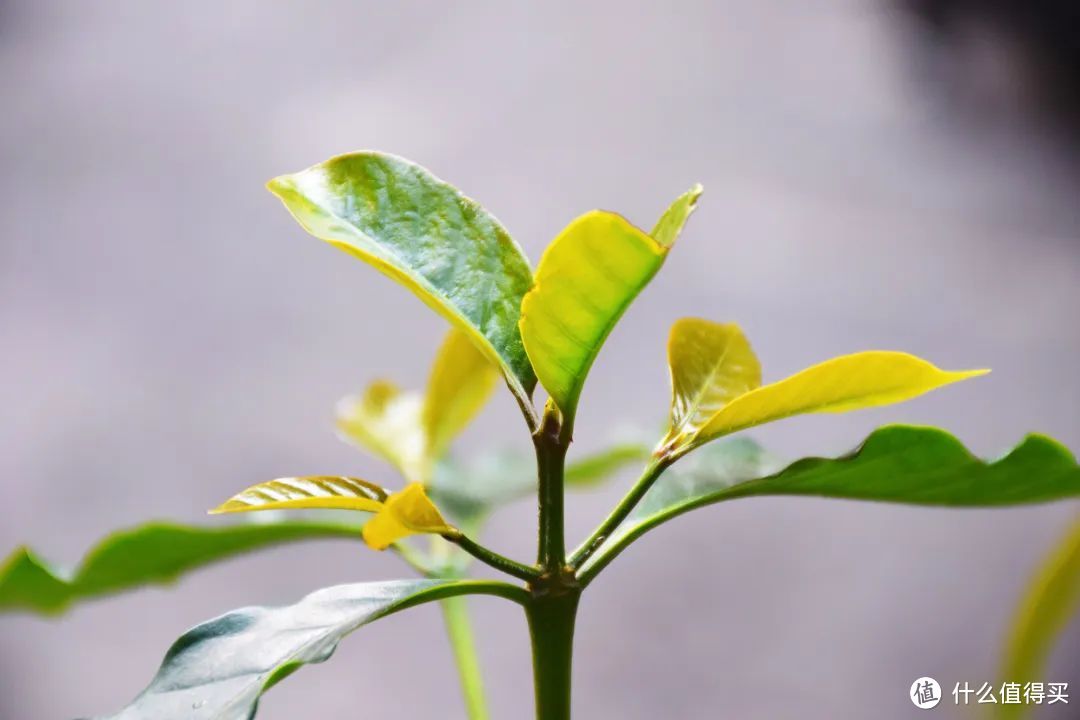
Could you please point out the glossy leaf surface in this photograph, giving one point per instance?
(587, 278)
(710, 363)
(425, 234)
(319, 492)
(151, 554)
(897, 463)
(218, 670)
(1050, 603)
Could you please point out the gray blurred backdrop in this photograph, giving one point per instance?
(168, 335)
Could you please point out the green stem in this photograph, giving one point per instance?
(459, 631)
(551, 445)
(551, 627)
(492, 558)
(653, 470)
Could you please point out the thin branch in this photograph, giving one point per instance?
(653, 470)
(492, 558)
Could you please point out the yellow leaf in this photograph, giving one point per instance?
(715, 379)
(405, 513)
(317, 491)
(587, 278)
(387, 422)
(461, 381)
(711, 364)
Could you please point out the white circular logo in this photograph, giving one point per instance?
(925, 693)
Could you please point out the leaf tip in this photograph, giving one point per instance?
(277, 185)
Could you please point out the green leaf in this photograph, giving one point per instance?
(423, 233)
(592, 470)
(715, 382)
(587, 278)
(219, 669)
(151, 554)
(1051, 601)
(670, 225)
(896, 463)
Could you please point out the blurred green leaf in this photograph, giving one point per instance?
(151, 554)
(587, 278)
(423, 233)
(594, 469)
(469, 493)
(1052, 599)
(897, 463)
(219, 669)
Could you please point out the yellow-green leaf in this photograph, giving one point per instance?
(425, 234)
(586, 280)
(389, 423)
(405, 513)
(1050, 602)
(715, 380)
(326, 492)
(461, 381)
(667, 228)
(711, 364)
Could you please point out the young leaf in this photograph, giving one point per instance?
(219, 669)
(461, 381)
(388, 423)
(711, 363)
(151, 554)
(670, 225)
(586, 280)
(324, 492)
(897, 463)
(406, 513)
(1051, 601)
(425, 234)
(397, 515)
(411, 431)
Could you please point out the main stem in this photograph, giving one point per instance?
(551, 449)
(552, 607)
(551, 627)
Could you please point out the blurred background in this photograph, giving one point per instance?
(877, 175)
